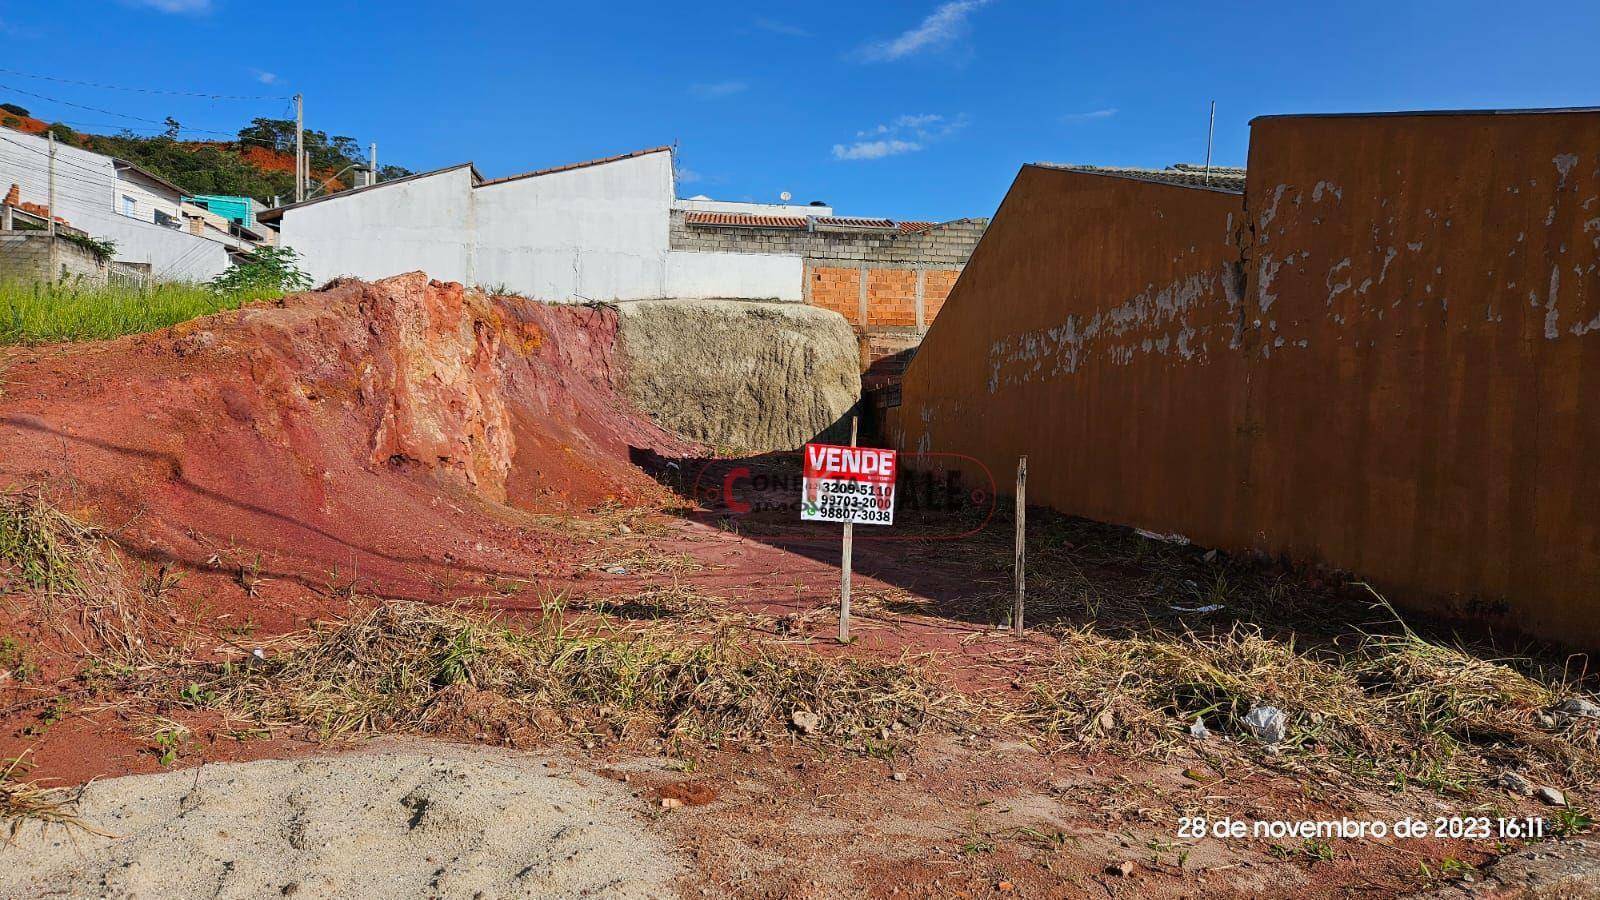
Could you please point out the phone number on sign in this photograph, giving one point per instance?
(1463, 827)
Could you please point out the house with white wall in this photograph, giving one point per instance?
(601, 230)
(114, 200)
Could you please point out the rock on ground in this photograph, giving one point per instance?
(739, 375)
(403, 820)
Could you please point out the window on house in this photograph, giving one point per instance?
(130, 207)
(164, 219)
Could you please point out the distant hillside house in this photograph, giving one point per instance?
(612, 230)
(114, 200)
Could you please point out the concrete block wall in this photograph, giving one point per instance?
(889, 286)
(947, 244)
(28, 256)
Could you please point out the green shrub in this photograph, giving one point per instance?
(265, 269)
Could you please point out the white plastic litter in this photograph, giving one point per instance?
(1208, 608)
(1267, 723)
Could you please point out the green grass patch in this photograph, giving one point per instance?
(49, 313)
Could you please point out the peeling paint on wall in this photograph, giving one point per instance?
(1383, 403)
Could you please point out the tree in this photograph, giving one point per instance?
(277, 133)
(172, 129)
(15, 109)
(63, 133)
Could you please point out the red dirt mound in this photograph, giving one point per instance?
(399, 432)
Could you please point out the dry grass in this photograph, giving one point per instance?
(412, 667)
(67, 565)
(1394, 710)
(22, 802)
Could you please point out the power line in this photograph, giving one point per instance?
(59, 160)
(117, 87)
(109, 112)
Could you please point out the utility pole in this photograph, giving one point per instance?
(50, 192)
(299, 148)
(372, 177)
(1211, 129)
(52, 255)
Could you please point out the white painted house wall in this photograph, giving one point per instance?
(87, 196)
(592, 232)
(149, 196)
(735, 276)
(421, 223)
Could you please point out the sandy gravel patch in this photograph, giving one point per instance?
(399, 819)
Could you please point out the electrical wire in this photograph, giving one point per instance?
(110, 112)
(116, 87)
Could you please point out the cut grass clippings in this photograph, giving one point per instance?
(418, 668)
(42, 313)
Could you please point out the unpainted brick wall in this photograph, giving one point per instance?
(837, 289)
(907, 276)
(891, 297)
(936, 288)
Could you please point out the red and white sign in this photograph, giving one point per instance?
(848, 484)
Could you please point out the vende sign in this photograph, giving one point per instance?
(848, 484)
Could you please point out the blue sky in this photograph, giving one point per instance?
(901, 109)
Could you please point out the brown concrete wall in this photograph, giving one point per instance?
(1393, 368)
(1091, 330)
(1424, 402)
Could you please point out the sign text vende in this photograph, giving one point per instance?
(848, 484)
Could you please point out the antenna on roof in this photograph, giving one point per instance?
(1211, 129)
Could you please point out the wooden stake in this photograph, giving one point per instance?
(1022, 544)
(844, 564)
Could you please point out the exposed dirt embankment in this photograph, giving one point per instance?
(740, 375)
(374, 429)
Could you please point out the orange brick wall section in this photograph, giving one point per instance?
(936, 287)
(891, 297)
(891, 294)
(838, 290)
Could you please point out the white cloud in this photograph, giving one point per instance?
(904, 134)
(783, 28)
(687, 175)
(176, 6)
(938, 30)
(717, 89)
(874, 149)
(265, 77)
(1106, 113)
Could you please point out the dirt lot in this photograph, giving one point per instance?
(390, 563)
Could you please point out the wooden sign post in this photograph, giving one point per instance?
(848, 485)
(845, 553)
(1022, 544)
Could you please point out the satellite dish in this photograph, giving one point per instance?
(785, 196)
